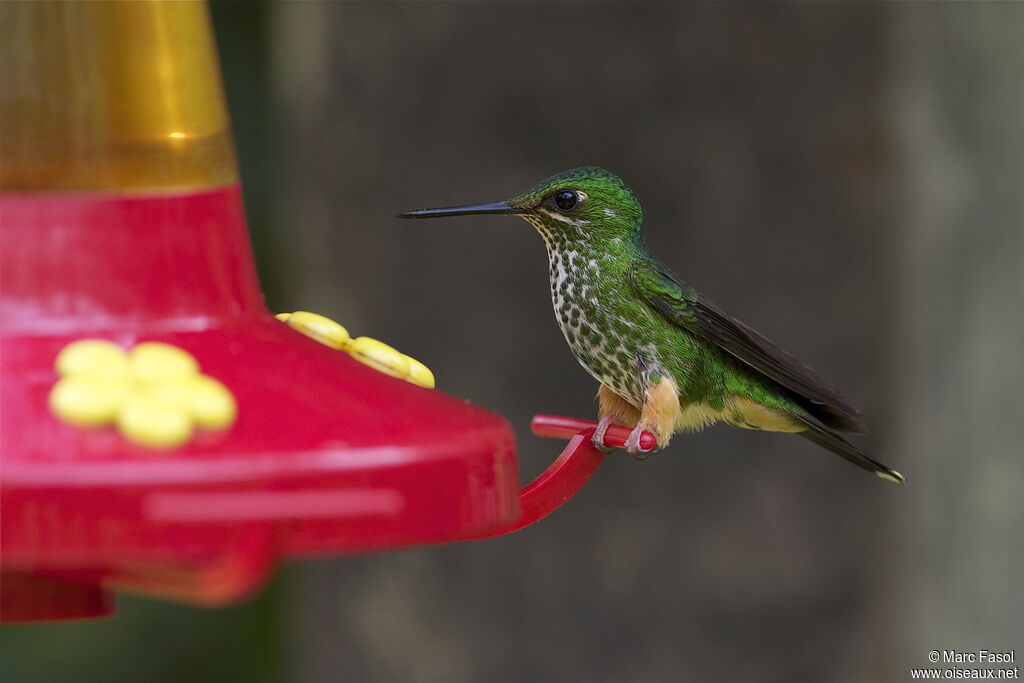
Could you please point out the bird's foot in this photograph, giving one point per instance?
(598, 438)
(633, 443)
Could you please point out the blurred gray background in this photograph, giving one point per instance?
(846, 178)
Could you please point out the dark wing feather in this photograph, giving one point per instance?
(665, 292)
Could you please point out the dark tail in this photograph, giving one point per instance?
(826, 438)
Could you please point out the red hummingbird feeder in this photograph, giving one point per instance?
(121, 223)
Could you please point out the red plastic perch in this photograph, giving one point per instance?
(570, 471)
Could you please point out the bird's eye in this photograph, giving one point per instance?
(566, 200)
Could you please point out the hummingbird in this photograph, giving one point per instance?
(666, 357)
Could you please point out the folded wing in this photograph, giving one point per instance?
(662, 289)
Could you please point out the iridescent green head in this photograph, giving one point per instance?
(584, 204)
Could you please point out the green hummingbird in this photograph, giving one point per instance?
(666, 357)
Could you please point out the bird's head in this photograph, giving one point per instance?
(584, 205)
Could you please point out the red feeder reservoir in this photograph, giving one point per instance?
(161, 431)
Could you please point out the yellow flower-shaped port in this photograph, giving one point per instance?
(154, 393)
(318, 327)
(372, 352)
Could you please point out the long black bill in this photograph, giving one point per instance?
(469, 209)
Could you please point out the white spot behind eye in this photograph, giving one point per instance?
(610, 213)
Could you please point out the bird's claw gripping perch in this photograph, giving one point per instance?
(633, 443)
(557, 427)
(598, 437)
(633, 446)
